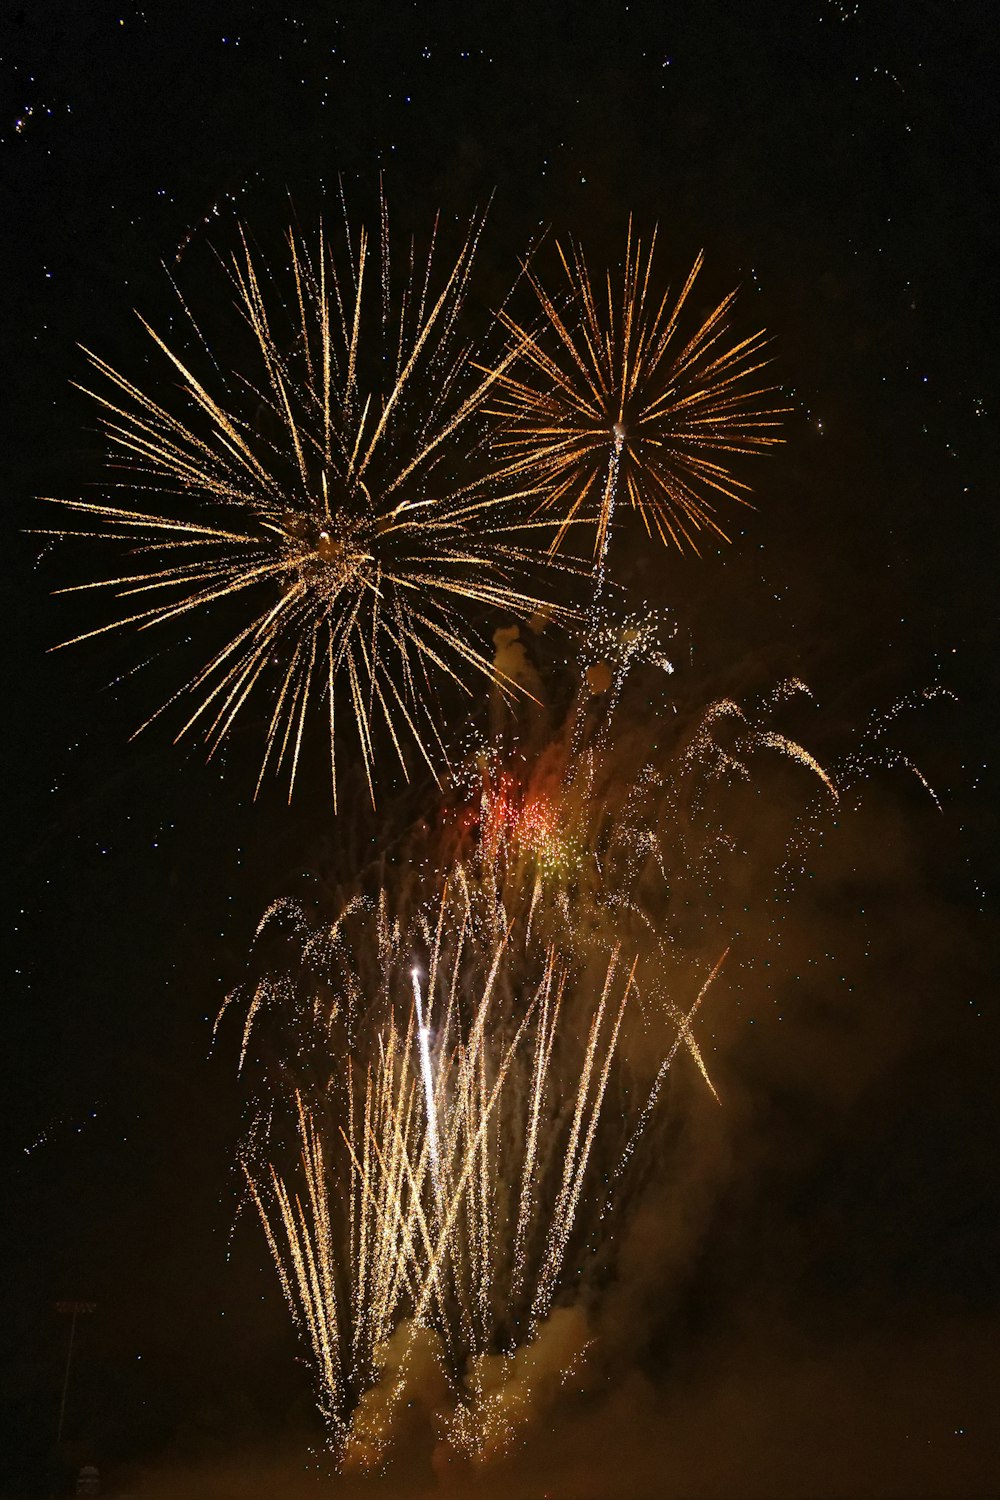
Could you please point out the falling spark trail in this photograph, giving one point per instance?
(423, 1037)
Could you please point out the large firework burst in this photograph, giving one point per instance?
(328, 489)
(613, 393)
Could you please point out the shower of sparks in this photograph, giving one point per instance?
(335, 491)
(517, 825)
(446, 1196)
(609, 392)
(456, 1180)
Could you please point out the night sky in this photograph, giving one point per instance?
(813, 1308)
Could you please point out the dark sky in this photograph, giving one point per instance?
(822, 1311)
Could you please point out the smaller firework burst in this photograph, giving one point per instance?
(617, 392)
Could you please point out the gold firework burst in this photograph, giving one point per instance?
(328, 488)
(608, 393)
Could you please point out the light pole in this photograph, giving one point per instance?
(74, 1309)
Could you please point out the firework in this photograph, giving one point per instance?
(611, 396)
(399, 1216)
(332, 492)
(448, 1043)
(461, 1068)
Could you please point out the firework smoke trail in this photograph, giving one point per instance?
(341, 497)
(607, 388)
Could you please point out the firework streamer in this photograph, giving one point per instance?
(423, 1039)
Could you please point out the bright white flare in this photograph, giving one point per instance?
(423, 1041)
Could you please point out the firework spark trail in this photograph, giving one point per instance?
(683, 1034)
(608, 388)
(334, 498)
(577, 1153)
(544, 1038)
(423, 1035)
(607, 516)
